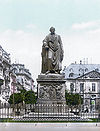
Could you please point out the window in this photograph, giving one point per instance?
(81, 70)
(81, 87)
(86, 69)
(15, 71)
(22, 80)
(97, 69)
(0, 70)
(71, 87)
(71, 69)
(20, 70)
(86, 102)
(93, 96)
(71, 74)
(93, 86)
(0, 90)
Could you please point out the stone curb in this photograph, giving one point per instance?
(47, 125)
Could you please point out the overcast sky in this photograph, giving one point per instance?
(25, 23)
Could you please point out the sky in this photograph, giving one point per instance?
(25, 23)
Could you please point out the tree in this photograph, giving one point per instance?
(30, 97)
(23, 91)
(73, 100)
(15, 98)
(1, 82)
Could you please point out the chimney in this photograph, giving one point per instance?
(75, 62)
(86, 60)
(80, 62)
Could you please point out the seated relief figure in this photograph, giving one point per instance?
(52, 53)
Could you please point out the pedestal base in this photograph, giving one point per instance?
(51, 91)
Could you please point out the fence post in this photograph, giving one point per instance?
(38, 112)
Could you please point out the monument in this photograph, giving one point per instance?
(51, 83)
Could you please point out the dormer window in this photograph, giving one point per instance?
(80, 70)
(71, 69)
(71, 74)
(97, 69)
(86, 69)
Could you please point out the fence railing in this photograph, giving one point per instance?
(48, 112)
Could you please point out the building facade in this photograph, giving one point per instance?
(13, 83)
(5, 64)
(22, 78)
(85, 80)
(13, 77)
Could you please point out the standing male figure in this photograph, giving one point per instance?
(52, 53)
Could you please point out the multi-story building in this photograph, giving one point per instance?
(5, 64)
(12, 77)
(13, 83)
(23, 77)
(85, 80)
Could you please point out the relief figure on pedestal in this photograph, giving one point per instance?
(52, 53)
(44, 92)
(59, 94)
(52, 92)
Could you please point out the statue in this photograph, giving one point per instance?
(51, 84)
(52, 53)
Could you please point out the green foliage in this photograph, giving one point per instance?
(22, 90)
(15, 98)
(24, 96)
(30, 97)
(73, 99)
(1, 82)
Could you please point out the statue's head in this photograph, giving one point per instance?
(52, 30)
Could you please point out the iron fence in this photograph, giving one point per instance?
(48, 112)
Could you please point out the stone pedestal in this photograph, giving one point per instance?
(51, 90)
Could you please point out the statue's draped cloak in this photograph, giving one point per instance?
(52, 54)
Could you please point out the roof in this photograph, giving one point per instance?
(90, 75)
(76, 70)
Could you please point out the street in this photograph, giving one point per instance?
(49, 126)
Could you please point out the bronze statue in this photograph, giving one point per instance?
(52, 53)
